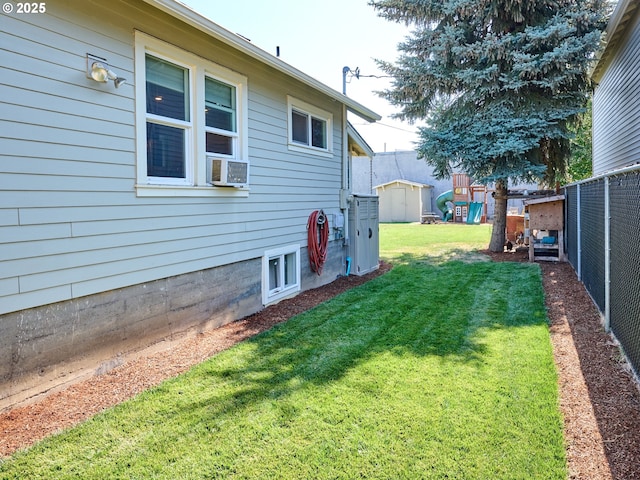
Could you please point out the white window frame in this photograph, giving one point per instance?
(226, 133)
(271, 295)
(184, 125)
(311, 111)
(196, 182)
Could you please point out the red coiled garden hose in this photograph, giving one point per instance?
(317, 240)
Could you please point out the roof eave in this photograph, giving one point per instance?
(621, 15)
(191, 17)
(405, 182)
(357, 138)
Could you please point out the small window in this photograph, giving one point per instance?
(309, 127)
(305, 127)
(280, 273)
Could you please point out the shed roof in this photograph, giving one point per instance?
(553, 198)
(186, 14)
(405, 182)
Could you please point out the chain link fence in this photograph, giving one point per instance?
(603, 245)
(624, 195)
(592, 240)
(571, 224)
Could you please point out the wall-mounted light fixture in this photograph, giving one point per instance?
(98, 70)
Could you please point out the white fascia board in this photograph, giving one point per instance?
(187, 15)
(403, 182)
(615, 30)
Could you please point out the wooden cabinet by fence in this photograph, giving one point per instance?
(546, 228)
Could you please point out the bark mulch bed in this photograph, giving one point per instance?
(599, 398)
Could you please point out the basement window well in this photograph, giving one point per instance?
(280, 273)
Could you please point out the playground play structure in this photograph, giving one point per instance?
(465, 203)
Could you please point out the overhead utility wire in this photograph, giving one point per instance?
(356, 73)
(356, 124)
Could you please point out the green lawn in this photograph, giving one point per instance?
(441, 368)
(401, 239)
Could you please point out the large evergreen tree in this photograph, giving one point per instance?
(498, 84)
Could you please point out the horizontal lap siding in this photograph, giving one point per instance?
(70, 221)
(616, 118)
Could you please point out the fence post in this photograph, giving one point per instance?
(607, 256)
(579, 231)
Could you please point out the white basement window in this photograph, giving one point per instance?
(280, 273)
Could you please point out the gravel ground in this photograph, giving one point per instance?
(599, 398)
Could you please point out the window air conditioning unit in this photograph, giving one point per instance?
(226, 172)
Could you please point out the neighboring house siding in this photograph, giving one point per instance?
(616, 126)
(71, 222)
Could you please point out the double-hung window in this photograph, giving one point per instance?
(309, 128)
(191, 117)
(220, 113)
(169, 125)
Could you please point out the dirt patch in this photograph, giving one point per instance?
(599, 398)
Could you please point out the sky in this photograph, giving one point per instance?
(320, 37)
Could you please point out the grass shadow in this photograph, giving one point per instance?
(424, 367)
(441, 257)
(426, 306)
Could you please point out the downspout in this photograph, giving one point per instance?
(345, 190)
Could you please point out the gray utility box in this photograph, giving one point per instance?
(364, 236)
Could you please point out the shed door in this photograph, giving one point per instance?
(398, 205)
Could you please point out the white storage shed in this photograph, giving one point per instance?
(403, 201)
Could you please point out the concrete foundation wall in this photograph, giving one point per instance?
(333, 268)
(46, 348)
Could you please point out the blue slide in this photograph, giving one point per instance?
(475, 213)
